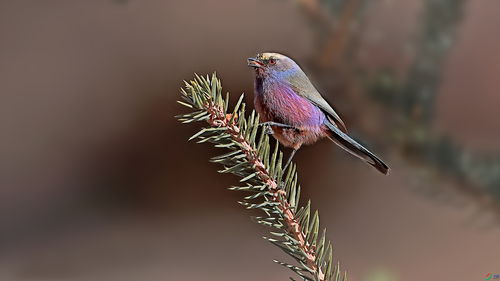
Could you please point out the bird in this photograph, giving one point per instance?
(295, 112)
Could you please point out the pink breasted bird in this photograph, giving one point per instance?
(296, 112)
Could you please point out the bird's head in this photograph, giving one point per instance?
(272, 64)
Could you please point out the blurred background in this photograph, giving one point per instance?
(98, 181)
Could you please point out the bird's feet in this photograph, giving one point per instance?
(269, 129)
(271, 123)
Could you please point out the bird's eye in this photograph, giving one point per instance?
(272, 61)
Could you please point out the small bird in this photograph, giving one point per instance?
(296, 112)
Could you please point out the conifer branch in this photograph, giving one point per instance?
(274, 191)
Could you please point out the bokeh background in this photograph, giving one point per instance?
(98, 181)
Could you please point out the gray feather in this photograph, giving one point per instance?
(304, 88)
(356, 149)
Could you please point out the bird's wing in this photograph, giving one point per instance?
(308, 91)
(320, 102)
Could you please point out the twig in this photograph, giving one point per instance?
(263, 173)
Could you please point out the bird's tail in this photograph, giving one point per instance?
(356, 149)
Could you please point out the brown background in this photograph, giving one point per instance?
(99, 183)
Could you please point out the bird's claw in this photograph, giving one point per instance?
(279, 125)
(267, 130)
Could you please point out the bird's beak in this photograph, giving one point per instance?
(255, 63)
